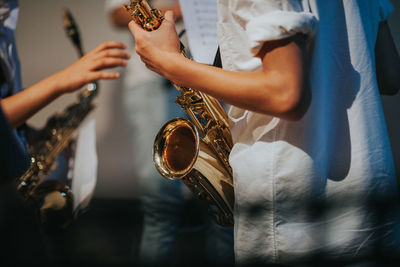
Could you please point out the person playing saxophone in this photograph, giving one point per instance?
(19, 104)
(313, 172)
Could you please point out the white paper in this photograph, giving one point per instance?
(200, 19)
(85, 166)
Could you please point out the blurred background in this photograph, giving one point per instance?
(109, 231)
(44, 49)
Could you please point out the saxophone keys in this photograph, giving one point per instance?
(40, 165)
(48, 145)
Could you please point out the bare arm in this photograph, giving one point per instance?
(278, 90)
(20, 107)
(387, 61)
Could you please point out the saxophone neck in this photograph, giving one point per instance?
(143, 14)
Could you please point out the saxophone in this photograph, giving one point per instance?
(195, 151)
(54, 198)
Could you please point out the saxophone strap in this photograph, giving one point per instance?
(217, 59)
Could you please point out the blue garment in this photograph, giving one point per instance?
(10, 65)
(322, 189)
(19, 229)
(13, 160)
(12, 83)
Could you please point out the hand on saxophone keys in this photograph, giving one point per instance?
(156, 46)
(179, 152)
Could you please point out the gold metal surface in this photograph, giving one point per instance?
(195, 151)
(141, 12)
(59, 132)
(54, 198)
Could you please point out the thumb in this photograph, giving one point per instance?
(134, 28)
(131, 26)
(170, 16)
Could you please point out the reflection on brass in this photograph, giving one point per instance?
(54, 199)
(57, 135)
(141, 12)
(202, 163)
(180, 149)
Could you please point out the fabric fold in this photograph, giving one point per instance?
(278, 25)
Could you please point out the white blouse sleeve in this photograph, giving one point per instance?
(284, 21)
(385, 9)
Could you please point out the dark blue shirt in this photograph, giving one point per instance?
(14, 161)
(11, 82)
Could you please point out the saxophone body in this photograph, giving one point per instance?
(54, 198)
(197, 150)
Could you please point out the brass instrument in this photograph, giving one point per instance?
(54, 198)
(196, 152)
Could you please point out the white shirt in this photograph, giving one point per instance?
(307, 188)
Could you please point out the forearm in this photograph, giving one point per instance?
(20, 107)
(268, 92)
(236, 88)
(278, 89)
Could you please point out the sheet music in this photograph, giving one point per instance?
(200, 19)
(85, 169)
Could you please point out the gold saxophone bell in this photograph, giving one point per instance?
(51, 199)
(56, 201)
(180, 153)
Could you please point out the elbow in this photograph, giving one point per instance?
(292, 108)
(296, 100)
(292, 103)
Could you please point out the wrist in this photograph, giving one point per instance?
(58, 83)
(171, 66)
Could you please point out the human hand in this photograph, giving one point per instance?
(91, 66)
(152, 47)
